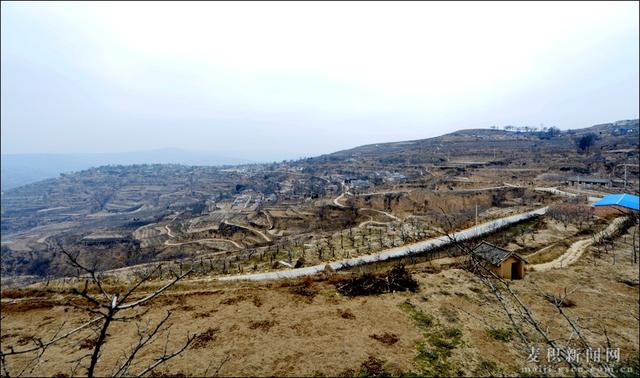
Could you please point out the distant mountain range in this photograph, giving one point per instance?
(22, 169)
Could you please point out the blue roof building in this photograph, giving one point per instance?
(623, 200)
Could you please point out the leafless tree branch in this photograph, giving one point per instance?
(111, 306)
(167, 356)
(143, 339)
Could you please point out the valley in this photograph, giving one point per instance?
(248, 218)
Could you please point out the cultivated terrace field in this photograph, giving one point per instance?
(169, 270)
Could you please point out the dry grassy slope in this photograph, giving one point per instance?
(482, 142)
(267, 329)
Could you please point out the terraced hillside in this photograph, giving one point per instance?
(349, 203)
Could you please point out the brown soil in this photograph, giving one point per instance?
(263, 330)
(386, 338)
(203, 339)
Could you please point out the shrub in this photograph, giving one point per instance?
(502, 334)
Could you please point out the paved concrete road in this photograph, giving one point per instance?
(402, 251)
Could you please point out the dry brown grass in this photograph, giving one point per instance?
(233, 300)
(263, 325)
(15, 293)
(550, 254)
(373, 367)
(267, 333)
(23, 305)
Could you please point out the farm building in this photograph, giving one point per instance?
(588, 182)
(503, 263)
(617, 204)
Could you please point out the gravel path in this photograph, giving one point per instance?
(575, 251)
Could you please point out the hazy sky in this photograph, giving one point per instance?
(285, 80)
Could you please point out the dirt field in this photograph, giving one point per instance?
(272, 328)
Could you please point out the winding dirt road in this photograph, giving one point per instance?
(371, 221)
(345, 190)
(173, 244)
(166, 226)
(265, 237)
(167, 242)
(268, 219)
(380, 212)
(576, 250)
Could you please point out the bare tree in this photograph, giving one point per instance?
(331, 247)
(102, 196)
(106, 309)
(520, 314)
(571, 213)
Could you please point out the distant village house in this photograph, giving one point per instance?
(588, 182)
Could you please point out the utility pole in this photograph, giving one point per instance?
(625, 165)
(476, 215)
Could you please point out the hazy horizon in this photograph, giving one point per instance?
(274, 81)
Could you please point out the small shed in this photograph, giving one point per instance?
(617, 204)
(503, 263)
